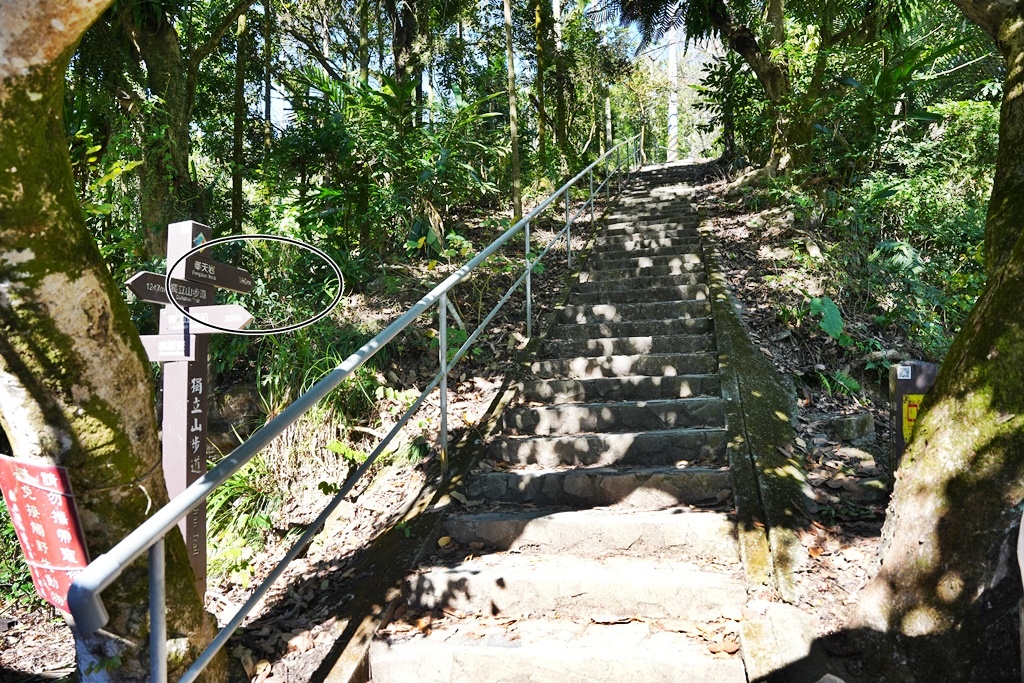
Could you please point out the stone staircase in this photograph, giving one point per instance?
(599, 529)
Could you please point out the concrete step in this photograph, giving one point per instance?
(632, 328)
(649, 294)
(655, 364)
(620, 271)
(630, 416)
(667, 215)
(552, 650)
(642, 242)
(590, 282)
(617, 346)
(614, 588)
(705, 447)
(596, 313)
(642, 488)
(678, 535)
(650, 229)
(635, 388)
(630, 260)
(598, 258)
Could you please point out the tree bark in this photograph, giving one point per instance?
(237, 146)
(268, 61)
(949, 586)
(363, 52)
(403, 19)
(561, 126)
(513, 118)
(539, 26)
(787, 150)
(169, 193)
(75, 387)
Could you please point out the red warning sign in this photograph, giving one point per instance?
(42, 509)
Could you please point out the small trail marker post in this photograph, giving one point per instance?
(182, 346)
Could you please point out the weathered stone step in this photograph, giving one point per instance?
(617, 587)
(556, 391)
(668, 214)
(648, 294)
(632, 328)
(553, 650)
(621, 270)
(589, 282)
(641, 226)
(676, 534)
(597, 259)
(644, 488)
(638, 243)
(639, 449)
(618, 346)
(631, 416)
(595, 313)
(657, 364)
(631, 260)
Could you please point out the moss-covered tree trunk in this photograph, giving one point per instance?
(948, 589)
(75, 388)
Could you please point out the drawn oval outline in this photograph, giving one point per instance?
(278, 238)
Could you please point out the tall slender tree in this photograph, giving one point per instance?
(513, 115)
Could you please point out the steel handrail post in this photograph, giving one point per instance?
(529, 286)
(157, 613)
(568, 233)
(607, 182)
(591, 199)
(442, 333)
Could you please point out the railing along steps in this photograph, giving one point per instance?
(598, 542)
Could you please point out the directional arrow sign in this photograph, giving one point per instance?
(163, 348)
(149, 286)
(222, 319)
(199, 269)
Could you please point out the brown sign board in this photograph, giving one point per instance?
(164, 348)
(149, 286)
(226, 316)
(199, 269)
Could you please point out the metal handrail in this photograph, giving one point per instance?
(84, 596)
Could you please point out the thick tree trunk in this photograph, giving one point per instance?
(168, 193)
(403, 19)
(75, 388)
(1005, 212)
(513, 116)
(949, 585)
(788, 149)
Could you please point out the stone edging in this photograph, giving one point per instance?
(769, 484)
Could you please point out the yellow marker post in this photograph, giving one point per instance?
(909, 381)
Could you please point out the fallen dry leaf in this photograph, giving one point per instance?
(727, 646)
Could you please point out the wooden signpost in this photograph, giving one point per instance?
(149, 286)
(182, 346)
